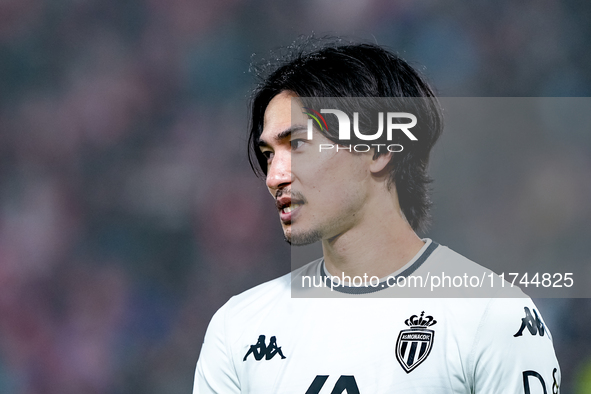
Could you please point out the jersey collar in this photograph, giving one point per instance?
(405, 271)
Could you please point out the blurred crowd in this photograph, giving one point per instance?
(129, 212)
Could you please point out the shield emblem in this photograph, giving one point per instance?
(413, 346)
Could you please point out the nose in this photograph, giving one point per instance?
(279, 172)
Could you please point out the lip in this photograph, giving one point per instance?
(287, 218)
(283, 201)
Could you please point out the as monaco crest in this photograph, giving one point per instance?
(414, 345)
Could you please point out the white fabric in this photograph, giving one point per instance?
(473, 347)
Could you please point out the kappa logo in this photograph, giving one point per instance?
(414, 345)
(533, 324)
(260, 350)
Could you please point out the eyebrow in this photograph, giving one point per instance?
(283, 135)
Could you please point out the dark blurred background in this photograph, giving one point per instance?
(128, 211)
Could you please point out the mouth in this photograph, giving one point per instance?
(288, 207)
(288, 213)
(291, 207)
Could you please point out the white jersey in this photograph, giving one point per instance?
(265, 341)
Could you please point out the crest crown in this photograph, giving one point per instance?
(420, 321)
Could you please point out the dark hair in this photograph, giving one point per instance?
(338, 70)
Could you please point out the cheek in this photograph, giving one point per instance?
(349, 168)
(312, 170)
(332, 173)
(337, 183)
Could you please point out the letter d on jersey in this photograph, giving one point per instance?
(414, 345)
(534, 375)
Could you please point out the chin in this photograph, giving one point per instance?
(301, 238)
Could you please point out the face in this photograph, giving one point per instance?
(319, 195)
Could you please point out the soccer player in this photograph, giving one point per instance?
(365, 207)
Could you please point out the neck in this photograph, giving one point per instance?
(378, 245)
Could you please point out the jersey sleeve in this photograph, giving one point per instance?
(513, 350)
(215, 372)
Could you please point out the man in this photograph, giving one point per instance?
(364, 206)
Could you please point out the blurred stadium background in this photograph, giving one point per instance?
(128, 212)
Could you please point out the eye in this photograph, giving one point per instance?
(297, 143)
(268, 154)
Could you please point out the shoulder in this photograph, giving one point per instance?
(509, 345)
(267, 295)
(444, 258)
(512, 321)
(245, 312)
(497, 305)
(451, 275)
(513, 348)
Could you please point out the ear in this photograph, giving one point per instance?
(380, 163)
